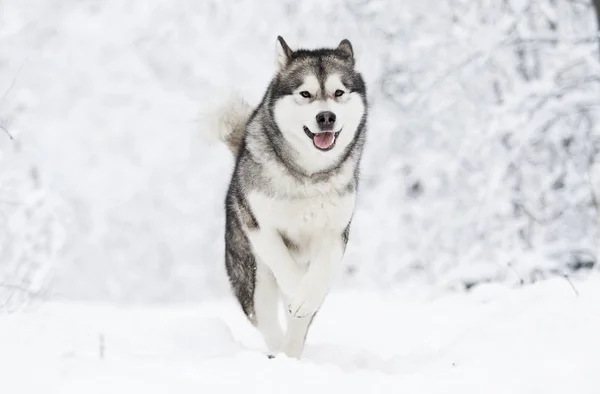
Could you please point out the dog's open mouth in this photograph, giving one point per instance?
(324, 140)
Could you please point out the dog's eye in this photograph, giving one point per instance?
(338, 93)
(305, 94)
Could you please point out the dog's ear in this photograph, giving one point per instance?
(284, 53)
(346, 48)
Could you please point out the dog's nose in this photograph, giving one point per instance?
(325, 120)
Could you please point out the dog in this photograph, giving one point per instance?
(292, 194)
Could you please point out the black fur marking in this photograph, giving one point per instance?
(247, 217)
(278, 149)
(239, 260)
(350, 188)
(346, 235)
(312, 318)
(286, 49)
(319, 62)
(289, 244)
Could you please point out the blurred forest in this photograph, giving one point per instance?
(482, 162)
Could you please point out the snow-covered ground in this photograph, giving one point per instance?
(543, 338)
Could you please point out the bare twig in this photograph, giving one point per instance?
(552, 39)
(572, 285)
(12, 84)
(542, 221)
(7, 132)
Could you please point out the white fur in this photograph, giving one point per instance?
(315, 223)
(271, 251)
(266, 296)
(219, 122)
(293, 341)
(293, 112)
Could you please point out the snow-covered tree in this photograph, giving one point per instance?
(32, 231)
(498, 140)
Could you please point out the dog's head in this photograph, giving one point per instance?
(318, 99)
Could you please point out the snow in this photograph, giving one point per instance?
(539, 338)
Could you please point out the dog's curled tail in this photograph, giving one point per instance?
(226, 122)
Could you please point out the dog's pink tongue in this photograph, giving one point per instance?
(324, 140)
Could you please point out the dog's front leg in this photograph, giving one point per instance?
(271, 250)
(320, 275)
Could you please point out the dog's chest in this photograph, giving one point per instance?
(301, 217)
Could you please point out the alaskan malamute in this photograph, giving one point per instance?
(292, 194)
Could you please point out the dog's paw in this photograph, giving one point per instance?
(306, 303)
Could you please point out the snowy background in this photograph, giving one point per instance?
(482, 162)
(481, 173)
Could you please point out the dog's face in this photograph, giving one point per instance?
(318, 100)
